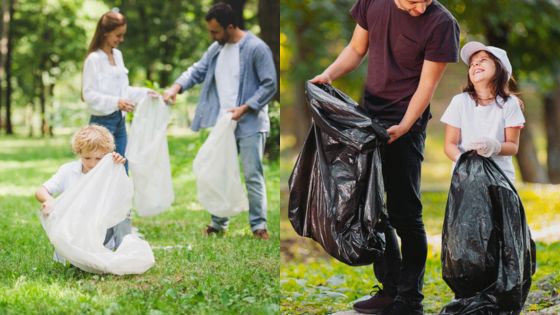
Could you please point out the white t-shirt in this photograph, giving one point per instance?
(227, 76)
(66, 176)
(480, 121)
(104, 84)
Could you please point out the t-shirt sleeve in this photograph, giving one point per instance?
(513, 114)
(55, 185)
(443, 44)
(359, 12)
(452, 115)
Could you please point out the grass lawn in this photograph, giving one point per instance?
(193, 274)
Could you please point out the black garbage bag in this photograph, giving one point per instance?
(336, 187)
(487, 254)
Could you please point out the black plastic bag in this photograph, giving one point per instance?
(336, 187)
(487, 254)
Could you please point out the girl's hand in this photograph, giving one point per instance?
(118, 159)
(126, 106)
(485, 146)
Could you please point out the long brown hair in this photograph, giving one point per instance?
(106, 24)
(502, 84)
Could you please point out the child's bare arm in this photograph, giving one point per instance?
(43, 195)
(511, 143)
(452, 137)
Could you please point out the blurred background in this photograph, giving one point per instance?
(312, 35)
(43, 45)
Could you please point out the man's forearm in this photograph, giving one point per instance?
(348, 60)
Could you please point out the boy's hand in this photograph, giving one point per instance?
(118, 159)
(46, 208)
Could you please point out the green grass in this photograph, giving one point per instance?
(313, 283)
(193, 274)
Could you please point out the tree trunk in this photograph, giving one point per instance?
(5, 25)
(8, 71)
(531, 169)
(269, 21)
(303, 115)
(238, 6)
(552, 125)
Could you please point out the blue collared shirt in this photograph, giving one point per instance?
(257, 86)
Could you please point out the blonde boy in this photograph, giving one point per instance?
(91, 143)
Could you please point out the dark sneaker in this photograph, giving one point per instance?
(211, 230)
(260, 234)
(401, 308)
(375, 304)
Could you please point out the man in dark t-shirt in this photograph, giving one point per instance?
(408, 43)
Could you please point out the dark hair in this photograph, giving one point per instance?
(502, 84)
(223, 13)
(106, 24)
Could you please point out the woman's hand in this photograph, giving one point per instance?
(153, 94)
(125, 105)
(118, 159)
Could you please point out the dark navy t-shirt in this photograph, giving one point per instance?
(398, 45)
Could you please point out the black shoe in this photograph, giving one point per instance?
(375, 304)
(211, 230)
(402, 308)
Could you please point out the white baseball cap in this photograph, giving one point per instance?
(472, 47)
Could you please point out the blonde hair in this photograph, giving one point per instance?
(92, 138)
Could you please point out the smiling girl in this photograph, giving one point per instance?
(486, 117)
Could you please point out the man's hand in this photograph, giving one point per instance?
(118, 159)
(126, 105)
(170, 95)
(321, 78)
(485, 146)
(395, 132)
(237, 112)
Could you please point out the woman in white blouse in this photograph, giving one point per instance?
(107, 92)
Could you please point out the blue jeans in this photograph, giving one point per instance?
(115, 123)
(251, 150)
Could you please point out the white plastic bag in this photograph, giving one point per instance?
(148, 157)
(216, 169)
(81, 216)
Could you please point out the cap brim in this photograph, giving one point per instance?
(469, 49)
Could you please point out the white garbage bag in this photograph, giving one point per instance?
(216, 169)
(148, 157)
(81, 216)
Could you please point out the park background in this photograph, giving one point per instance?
(43, 45)
(312, 34)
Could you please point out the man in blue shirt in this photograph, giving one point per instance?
(238, 76)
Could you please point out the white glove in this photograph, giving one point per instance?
(485, 146)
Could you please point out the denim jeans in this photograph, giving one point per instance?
(251, 150)
(402, 276)
(115, 123)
